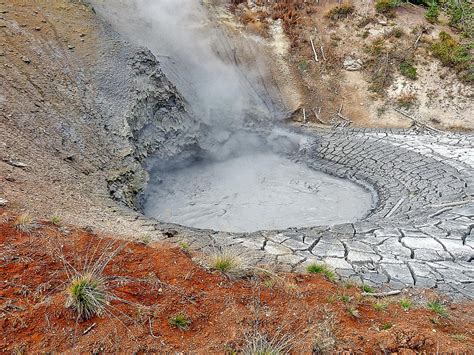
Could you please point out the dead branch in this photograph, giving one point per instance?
(314, 50)
(382, 294)
(322, 52)
(416, 122)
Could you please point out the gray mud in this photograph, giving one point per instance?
(254, 192)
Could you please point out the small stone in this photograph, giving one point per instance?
(2, 54)
(70, 46)
(26, 59)
(82, 35)
(3, 202)
(38, 28)
(351, 64)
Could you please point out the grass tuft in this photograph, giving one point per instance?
(24, 223)
(229, 263)
(353, 311)
(366, 288)
(438, 308)
(262, 344)
(56, 220)
(87, 296)
(180, 321)
(380, 306)
(406, 304)
(322, 269)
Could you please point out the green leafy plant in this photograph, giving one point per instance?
(322, 269)
(438, 308)
(180, 321)
(386, 326)
(184, 246)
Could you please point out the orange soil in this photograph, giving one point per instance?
(158, 281)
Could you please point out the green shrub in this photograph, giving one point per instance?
(367, 289)
(340, 12)
(461, 16)
(386, 7)
(451, 53)
(405, 304)
(408, 70)
(432, 13)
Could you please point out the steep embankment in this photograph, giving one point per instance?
(79, 113)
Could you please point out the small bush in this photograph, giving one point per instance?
(340, 12)
(353, 311)
(321, 269)
(180, 321)
(386, 326)
(386, 7)
(408, 70)
(450, 52)
(184, 246)
(87, 296)
(438, 308)
(461, 16)
(405, 304)
(345, 298)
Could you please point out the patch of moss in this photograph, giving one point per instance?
(408, 70)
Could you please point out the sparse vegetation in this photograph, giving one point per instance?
(24, 223)
(345, 298)
(455, 55)
(184, 246)
(87, 295)
(229, 263)
(433, 12)
(322, 269)
(145, 239)
(380, 306)
(386, 326)
(405, 303)
(366, 288)
(262, 344)
(408, 70)
(56, 220)
(180, 321)
(387, 7)
(438, 308)
(340, 12)
(353, 311)
(406, 100)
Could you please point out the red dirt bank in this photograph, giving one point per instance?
(158, 281)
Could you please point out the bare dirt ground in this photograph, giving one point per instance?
(155, 282)
(436, 97)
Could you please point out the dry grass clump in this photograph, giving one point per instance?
(406, 100)
(263, 344)
(230, 264)
(340, 12)
(24, 223)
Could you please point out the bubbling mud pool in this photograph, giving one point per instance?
(257, 192)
